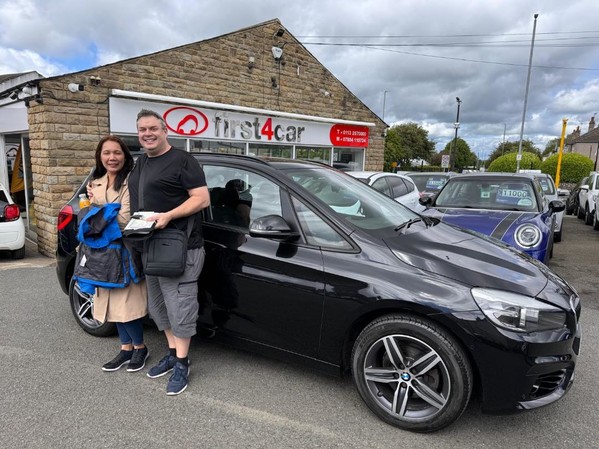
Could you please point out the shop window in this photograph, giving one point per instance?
(348, 158)
(319, 154)
(270, 150)
(213, 146)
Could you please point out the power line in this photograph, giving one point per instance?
(437, 35)
(377, 47)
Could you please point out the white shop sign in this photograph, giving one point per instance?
(190, 121)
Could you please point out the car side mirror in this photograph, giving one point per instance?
(425, 201)
(272, 227)
(556, 206)
(584, 187)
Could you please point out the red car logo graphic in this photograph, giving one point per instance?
(186, 121)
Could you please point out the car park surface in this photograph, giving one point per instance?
(399, 187)
(329, 273)
(12, 228)
(506, 206)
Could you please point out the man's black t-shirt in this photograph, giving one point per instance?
(167, 178)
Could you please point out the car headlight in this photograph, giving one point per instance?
(517, 312)
(528, 235)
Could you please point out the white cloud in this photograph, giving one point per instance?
(487, 71)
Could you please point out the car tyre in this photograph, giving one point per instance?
(557, 236)
(595, 222)
(588, 218)
(580, 212)
(18, 253)
(569, 210)
(411, 373)
(82, 311)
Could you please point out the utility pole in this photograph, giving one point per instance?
(384, 100)
(532, 46)
(454, 142)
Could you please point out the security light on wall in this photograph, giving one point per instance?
(73, 87)
(277, 52)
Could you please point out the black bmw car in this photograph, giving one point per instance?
(306, 263)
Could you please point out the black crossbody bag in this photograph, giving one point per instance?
(165, 250)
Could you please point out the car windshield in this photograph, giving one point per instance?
(488, 193)
(547, 184)
(351, 199)
(428, 182)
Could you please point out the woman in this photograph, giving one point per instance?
(124, 306)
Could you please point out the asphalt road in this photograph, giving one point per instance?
(54, 395)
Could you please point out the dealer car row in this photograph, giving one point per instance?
(332, 274)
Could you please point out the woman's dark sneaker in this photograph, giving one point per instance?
(121, 359)
(138, 360)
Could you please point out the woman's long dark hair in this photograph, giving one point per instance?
(100, 170)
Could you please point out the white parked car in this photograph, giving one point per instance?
(12, 229)
(586, 198)
(399, 187)
(551, 193)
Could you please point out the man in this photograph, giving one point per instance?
(174, 186)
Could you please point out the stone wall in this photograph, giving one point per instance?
(66, 126)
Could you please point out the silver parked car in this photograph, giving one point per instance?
(399, 187)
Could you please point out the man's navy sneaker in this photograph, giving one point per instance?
(164, 366)
(178, 381)
(121, 359)
(138, 359)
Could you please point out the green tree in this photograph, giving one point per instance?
(507, 163)
(512, 147)
(461, 156)
(406, 142)
(574, 167)
(551, 147)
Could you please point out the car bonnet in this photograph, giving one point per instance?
(492, 223)
(464, 256)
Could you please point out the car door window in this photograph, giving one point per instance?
(398, 186)
(317, 231)
(382, 186)
(238, 196)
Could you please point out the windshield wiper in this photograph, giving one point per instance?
(405, 225)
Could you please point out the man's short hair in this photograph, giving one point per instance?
(150, 113)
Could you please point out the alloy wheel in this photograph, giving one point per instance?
(407, 377)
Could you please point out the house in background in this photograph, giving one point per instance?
(586, 144)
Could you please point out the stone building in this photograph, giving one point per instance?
(254, 91)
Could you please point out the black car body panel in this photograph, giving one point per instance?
(309, 302)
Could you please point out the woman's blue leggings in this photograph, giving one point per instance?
(131, 332)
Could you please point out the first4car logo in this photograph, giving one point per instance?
(186, 121)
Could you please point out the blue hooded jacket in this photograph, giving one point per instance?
(102, 259)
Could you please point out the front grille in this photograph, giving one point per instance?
(547, 384)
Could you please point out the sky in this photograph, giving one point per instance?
(407, 60)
